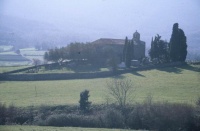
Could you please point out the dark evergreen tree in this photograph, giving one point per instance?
(125, 49)
(84, 103)
(163, 54)
(132, 49)
(183, 48)
(174, 43)
(128, 55)
(128, 52)
(178, 45)
(151, 51)
(159, 50)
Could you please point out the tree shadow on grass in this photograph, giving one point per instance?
(190, 68)
(85, 68)
(118, 77)
(137, 74)
(179, 69)
(171, 70)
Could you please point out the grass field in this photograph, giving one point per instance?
(11, 58)
(77, 69)
(39, 128)
(167, 84)
(11, 68)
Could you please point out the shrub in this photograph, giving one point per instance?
(161, 116)
(2, 114)
(113, 119)
(84, 103)
(11, 113)
(72, 120)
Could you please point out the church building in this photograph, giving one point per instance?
(139, 47)
(118, 44)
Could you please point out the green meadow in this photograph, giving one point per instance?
(46, 128)
(174, 84)
(11, 68)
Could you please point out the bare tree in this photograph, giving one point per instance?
(121, 90)
(36, 62)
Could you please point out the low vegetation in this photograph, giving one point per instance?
(49, 128)
(173, 104)
(147, 115)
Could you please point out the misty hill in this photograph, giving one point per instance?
(26, 33)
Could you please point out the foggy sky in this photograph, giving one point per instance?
(95, 19)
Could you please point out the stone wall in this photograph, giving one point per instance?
(68, 76)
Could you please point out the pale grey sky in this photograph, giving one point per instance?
(109, 18)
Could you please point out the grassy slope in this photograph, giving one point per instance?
(168, 84)
(39, 128)
(11, 68)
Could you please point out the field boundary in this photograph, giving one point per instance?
(67, 76)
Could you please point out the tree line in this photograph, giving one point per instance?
(161, 50)
(175, 50)
(94, 53)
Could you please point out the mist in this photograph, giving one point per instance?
(67, 21)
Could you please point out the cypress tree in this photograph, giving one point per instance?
(183, 48)
(132, 49)
(151, 51)
(128, 55)
(178, 45)
(125, 49)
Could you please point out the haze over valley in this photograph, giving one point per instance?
(26, 23)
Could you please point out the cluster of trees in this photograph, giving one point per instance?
(162, 51)
(128, 52)
(93, 53)
(175, 50)
(159, 50)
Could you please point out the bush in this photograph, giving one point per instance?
(84, 103)
(11, 113)
(72, 120)
(2, 114)
(113, 119)
(161, 116)
(149, 115)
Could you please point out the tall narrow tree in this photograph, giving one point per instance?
(128, 55)
(128, 52)
(178, 45)
(125, 49)
(183, 48)
(132, 49)
(151, 51)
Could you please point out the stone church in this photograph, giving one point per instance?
(118, 45)
(139, 47)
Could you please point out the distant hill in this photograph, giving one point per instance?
(26, 33)
(23, 33)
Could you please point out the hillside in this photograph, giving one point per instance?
(28, 33)
(21, 32)
(173, 84)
